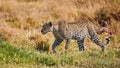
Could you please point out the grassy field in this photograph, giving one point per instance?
(12, 57)
(23, 46)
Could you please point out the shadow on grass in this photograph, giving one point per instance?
(43, 46)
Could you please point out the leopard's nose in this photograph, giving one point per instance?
(41, 31)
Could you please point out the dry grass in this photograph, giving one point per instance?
(20, 17)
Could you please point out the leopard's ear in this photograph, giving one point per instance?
(50, 24)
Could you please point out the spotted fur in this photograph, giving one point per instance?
(73, 30)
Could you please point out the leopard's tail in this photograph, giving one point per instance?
(94, 37)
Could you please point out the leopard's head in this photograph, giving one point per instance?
(46, 28)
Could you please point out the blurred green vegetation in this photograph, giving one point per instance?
(92, 57)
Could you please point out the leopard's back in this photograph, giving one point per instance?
(74, 30)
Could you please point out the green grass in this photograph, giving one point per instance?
(11, 56)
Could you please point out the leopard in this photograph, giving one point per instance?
(77, 30)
